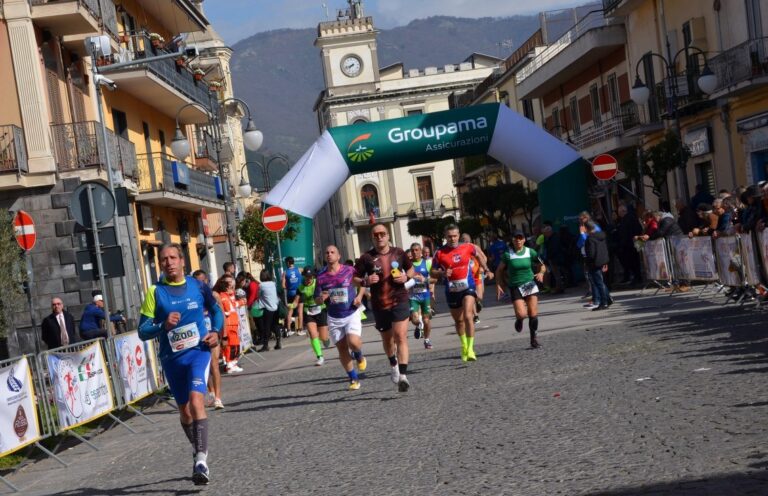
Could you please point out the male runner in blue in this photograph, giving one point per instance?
(291, 282)
(173, 312)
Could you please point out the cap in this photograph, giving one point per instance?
(518, 232)
(308, 272)
(98, 297)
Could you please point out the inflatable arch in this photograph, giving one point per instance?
(492, 129)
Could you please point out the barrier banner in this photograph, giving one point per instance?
(656, 265)
(246, 340)
(18, 414)
(81, 385)
(694, 258)
(133, 366)
(729, 263)
(749, 258)
(762, 241)
(157, 376)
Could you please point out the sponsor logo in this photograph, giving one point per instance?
(192, 305)
(14, 384)
(399, 135)
(20, 423)
(359, 153)
(456, 258)
(139, 355)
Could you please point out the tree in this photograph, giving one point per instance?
(500, 203)
(258, 238)
(432, 228)
(471, 226)
(657, 161)
(12, 274)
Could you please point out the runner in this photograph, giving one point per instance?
(515, 271)
(335, 284)
(478, 274)
(316, 316)
(421, 297)
(453, 262)
(386, 269)
(173, 312)
(291, 280)
(214, 378)
(426, 253)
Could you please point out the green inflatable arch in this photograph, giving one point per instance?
(492, 129)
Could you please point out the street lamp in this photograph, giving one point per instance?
(245, 187)
(252, 139)
(443, 208)
(640, 94)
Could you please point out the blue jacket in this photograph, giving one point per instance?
(92, 317)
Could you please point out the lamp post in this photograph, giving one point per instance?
(640, 94)
(443, 209)
(252, 138)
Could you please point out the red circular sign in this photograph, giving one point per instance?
(24, 230)
(275, 219)
(204, 217)
(605, 167)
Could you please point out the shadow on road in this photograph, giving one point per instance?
(742, 484)
(136, 489)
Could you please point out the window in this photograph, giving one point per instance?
(594, 96)
(574, 107)
(426, 196)
(650, 83)
(414, 112)
(705, 175)
(120, 123)
(359, 121)
(556, 126)
(528, 109)
(613, 95)
(370, 197)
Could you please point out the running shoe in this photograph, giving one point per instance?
(395, 374)
(591, 306)
(217, 404)
(599, 307)
(326, 343)
(463, 354)
(476, 319)
(302, 332)
(403, 385)
(236, 367)
(289, 333)
(417, 333)
(471, 357)
(535, 343)
(519, 325)
(320, 361)
(354, 385)
(427, 344)
(210, 399)
(362, 365)
(478, 306)
(200, 474)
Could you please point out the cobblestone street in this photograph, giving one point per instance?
(636, 400)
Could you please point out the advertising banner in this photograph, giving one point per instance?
(246, 341)
(749, 257)
(157, 376)
(729, 263)
(762, 238)
(81, 387)
(300, 248)
(694, 258)
(133, 366)
(18, 414)
(656, 265)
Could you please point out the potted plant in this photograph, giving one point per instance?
(215, 85)
(198, 74)
(156, 40)
(181, 61)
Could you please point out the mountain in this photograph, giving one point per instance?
(279, 73)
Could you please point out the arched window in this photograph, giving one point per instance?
(370, 196)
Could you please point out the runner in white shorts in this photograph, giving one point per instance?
(336, 289)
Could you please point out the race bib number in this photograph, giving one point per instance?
(338, 295)
(184, 337)
(456, 286)
(314, 310)
(528, 289)
(419, 287)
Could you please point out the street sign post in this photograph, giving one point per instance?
(275, 219)
(605, 167)
(24, 230)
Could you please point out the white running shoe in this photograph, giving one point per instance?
(217, 404)
(591, 306)
(403, 385)
(200, 474)
(289, 333)
(395, 375)
(210, 399)
(320, 361)
(302, 332)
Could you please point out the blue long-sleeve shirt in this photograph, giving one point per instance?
(582, 239)
(92, 317)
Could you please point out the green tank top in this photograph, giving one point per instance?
(308, 298)
(519, 266)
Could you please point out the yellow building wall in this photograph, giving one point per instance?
(9, 110)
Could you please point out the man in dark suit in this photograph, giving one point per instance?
(58, 328)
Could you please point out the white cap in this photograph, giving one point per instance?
(98, 297)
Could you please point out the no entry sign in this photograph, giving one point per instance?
(24, 230)
(605, 167)
(275, 219)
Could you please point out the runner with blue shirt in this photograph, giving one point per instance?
(420, 296)
(172, 311)
(291, 281)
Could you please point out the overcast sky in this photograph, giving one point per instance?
(238, 19)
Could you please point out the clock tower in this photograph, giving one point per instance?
(348, 49)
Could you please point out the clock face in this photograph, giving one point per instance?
(351, 66)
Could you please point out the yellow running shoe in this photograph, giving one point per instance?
(354, 385)
(471, 357)
(362, 365)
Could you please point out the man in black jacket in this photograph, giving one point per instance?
(628, 227)
(58, 328)
(597, 258)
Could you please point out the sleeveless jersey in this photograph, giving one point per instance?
(292, 281)
(420, 291)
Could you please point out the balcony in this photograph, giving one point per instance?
(167, 182)
(79, 145)
(741, 68)
(13, 152)
(608, 136)
(162, 84)
(74, 20)
(591, 39)
(205, 150)
(179, 16)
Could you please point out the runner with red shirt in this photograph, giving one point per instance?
(386, 269)
(453, 263)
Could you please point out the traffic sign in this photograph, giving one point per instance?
(204, 218)
(275, 219)
(24, 230)
(605, 166)
(103, 204)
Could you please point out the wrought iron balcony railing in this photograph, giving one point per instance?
(13, 152)
(78, 145)
(102, 10)
(741, 63)
(161, 172)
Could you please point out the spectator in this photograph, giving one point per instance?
(666, 227)
(555, 258)
(92, 322)
(496, 248)
(650, 224)
(269, 302)
(686, 216)
(752, 213)
(229, 269)
(707, 221)
(596, 259)
(628, 228)
(701, 196)
(58, 328)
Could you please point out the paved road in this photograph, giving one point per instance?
(657, 396)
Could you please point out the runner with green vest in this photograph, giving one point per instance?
(516, 272)
(315, 316)
(420, 296)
